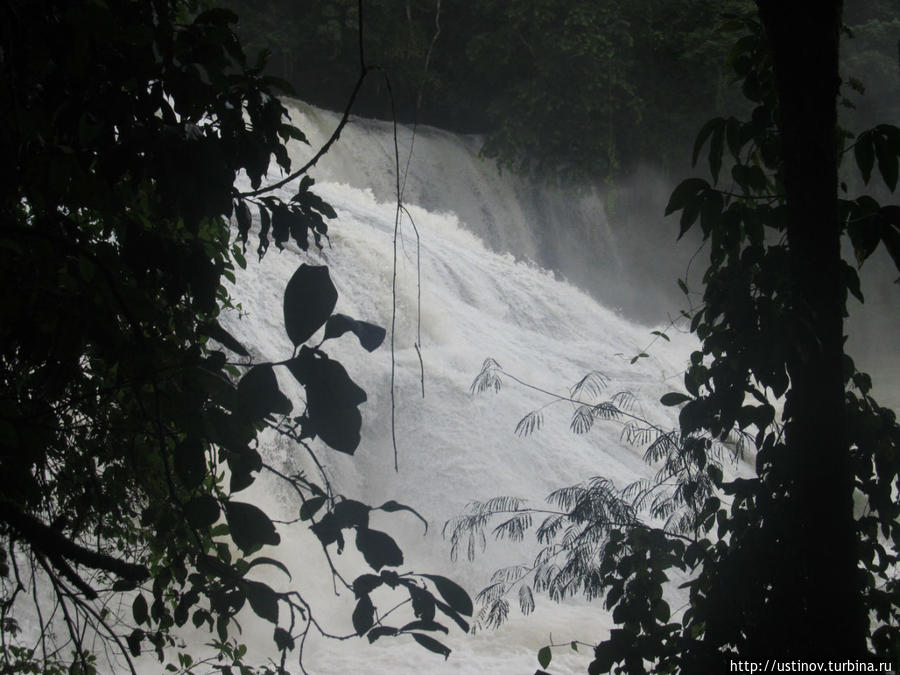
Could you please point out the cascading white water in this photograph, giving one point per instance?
(454, 447)
(481, 295)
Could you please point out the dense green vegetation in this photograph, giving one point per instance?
(130, 420)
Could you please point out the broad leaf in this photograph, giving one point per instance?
(544, 655)
(431, 644)
(283, 639)
(310, 507)
(365, 584)
(392, 507)
(673, 398)
(453, 593)
(425, 625)
(139, 609)
(263, 600)
(332, 399)
(250, 526)
(242, 213)
(380, 631)
(370, 336)
(864, 151)
(378, 548)
(363, 615)
(258, 394)
(309, 299)
(263, 560)
(685, 192)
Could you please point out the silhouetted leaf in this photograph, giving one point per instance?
(310, 507)
(202, 511)
(214, 330)
(283, 639)
(887, 163)
(702, 136)
(453, 614)
(281, 225)
(365, 584)
(242, 213)
(258, 394)
(309, 300)
(425, 625)
(351, 513)
(263, 600)
(250, 526)
(378, 549)
(865, 233)
(673, 398)
(453, 593)
(392, 507)
(242, 462)
(134, 641)
(380, 631)
(332, 399)
(265, 221)
(423, 602)
(431, 644)
(370, 336)
(890, 235)
(685, 192)
(263, 560)
(363, 615)
(139, 609)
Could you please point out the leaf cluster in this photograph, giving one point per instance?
(130, 418)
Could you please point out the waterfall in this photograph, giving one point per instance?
(487, 243)
(483, 294)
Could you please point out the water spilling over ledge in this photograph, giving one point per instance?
(477, 301)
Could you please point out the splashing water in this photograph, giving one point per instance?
(454, 447)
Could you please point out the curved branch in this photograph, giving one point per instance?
(54, 543)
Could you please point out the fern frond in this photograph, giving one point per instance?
(592, 384)
(510, 575)
(582, 420)
(526, 600)
(637, 434)
(488, 378)
(549, 528)
(661, 447)
(530, 423)
(566, 497)
(513, 528)
(497, 614)
(606, 411)
(624, 400)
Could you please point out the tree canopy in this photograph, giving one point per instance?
(581, 89)
(130, 419)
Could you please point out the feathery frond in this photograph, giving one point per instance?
(591, 384)
(582, 420)
(530, 423)
(488, 378)
(513, 528)
(526, 599)
(606, 411)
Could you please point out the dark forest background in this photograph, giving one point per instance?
(580, 89)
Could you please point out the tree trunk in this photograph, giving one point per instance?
(827, 615)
